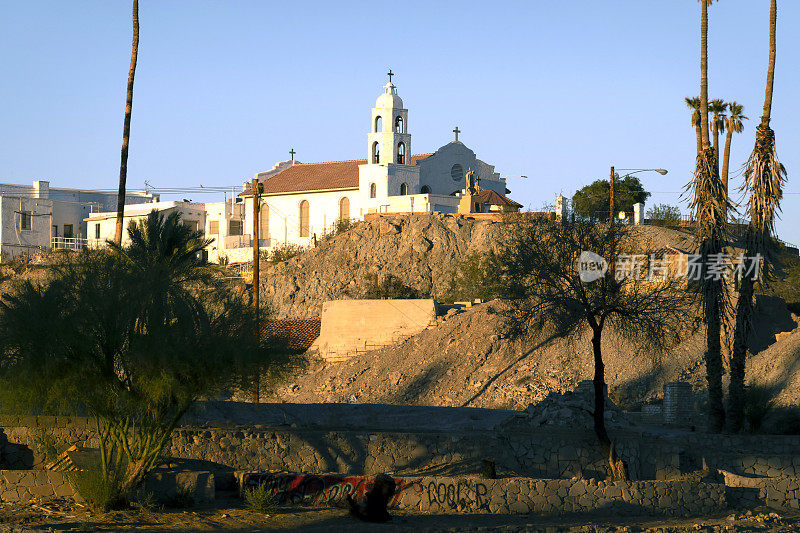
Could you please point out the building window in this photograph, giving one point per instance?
(236, 227)
(304, 216)
(403, 189)
(425, 189)
(193, 225)
(457, 172)
(398, 125)
(55, 231)
(97, 230)
(344, 208)
(263, 228)
(376, 152)
(68, 231)
(378, 124)
(373, 190)
(26, 221)
(213, 227)
(401, 154)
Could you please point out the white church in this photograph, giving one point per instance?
(302, 200)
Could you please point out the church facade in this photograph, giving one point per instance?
(300, 202)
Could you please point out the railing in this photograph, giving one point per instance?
(75, 243)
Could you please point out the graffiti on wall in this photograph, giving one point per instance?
(464, 495)
(329, 489)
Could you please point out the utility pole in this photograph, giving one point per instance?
(611, 204)
(257, 188)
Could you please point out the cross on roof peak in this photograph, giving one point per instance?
(390, 74)
(456, 131)
(291, 153)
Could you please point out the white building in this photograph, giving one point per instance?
(301, 201)
(39, 217)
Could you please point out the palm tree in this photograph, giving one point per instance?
(734, 125)
(710, 207)
(764, 177)
(718, 108)
(126, 128)
(694, 104)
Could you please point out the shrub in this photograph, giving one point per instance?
(284, 252)
(100, 492)
(389, 287)
(758, 403)
(664, 215)
(183, 498)
(339, 227)
(260, 499)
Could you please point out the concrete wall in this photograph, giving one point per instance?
(350, 325)
(456, 495)
(13, 239)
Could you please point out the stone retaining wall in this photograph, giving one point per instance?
(448, 495)
(781, 493)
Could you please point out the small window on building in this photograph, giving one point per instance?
(193, 224)
(213, 227)
(403, 189)
(398, 125)
(236, 227)
(425, 189)
(373, 190)
(263, 215)
(378, 124)
(26, 221)
(68, 234)
(344, 208)
(304, 216)
(401, 154)
(376, 152)
(55, 231)
(97, 230)
(457, 172)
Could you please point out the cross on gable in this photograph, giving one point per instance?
(291, 153)
(456, 131)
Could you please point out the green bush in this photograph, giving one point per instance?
(339, 227)
(389, 287)
(101, 493)
(664, 215)
(284, 252)
(758, 403)
(260, 499)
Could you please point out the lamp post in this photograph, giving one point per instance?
(629, 171)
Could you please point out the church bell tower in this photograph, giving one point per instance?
(388, 140)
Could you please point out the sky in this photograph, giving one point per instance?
(555, 91)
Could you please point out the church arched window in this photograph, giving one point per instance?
(425, 189)
(373, 190)
(401, 154)
(304, 216)
(403, 189)
(376, 152)
(344, 208)
(398, 125)
(378, 124)
(457, 172)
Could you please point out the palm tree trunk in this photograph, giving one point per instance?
(704, 74)
(726, 160)
(744, 312)
(714, 369)
(699, 139)
(126, 129)
(773, 16)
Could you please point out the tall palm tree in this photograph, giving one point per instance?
(126, 128)
(734, 124)
(764, 177)
(710, 208)
(718, 108)
(694, 104)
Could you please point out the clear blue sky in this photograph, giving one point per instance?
(558, 91)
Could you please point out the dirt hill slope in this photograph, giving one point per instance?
(466, 362)
(420, 250)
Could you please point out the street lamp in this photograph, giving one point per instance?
(628, 172)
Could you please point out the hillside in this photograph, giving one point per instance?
(420, 250)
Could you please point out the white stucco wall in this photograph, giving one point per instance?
(435, 170)
(13, 239)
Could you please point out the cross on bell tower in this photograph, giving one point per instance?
(388, 139)
(390, 74)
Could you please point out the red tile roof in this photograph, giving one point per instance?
(492, 198)
(296, 334)
(319, 176)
